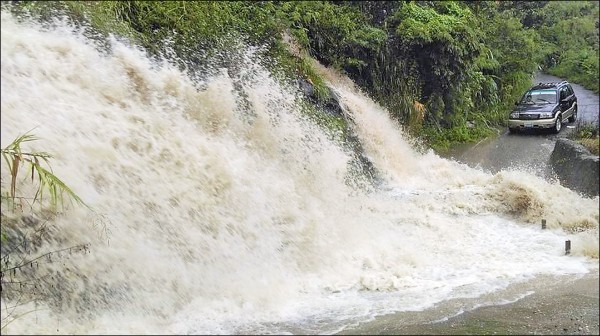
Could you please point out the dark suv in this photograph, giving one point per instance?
(544, 106)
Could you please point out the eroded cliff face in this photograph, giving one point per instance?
(575, 167)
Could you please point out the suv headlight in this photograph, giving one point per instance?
(546, 115)
(514, 115)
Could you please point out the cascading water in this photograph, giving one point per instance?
(229, 212)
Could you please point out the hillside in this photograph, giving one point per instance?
(448, 71)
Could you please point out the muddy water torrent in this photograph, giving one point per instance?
(229, 212)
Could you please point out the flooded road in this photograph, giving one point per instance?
(528, 151)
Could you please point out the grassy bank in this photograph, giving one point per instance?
(587, 135)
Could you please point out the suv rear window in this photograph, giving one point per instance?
(539, 96)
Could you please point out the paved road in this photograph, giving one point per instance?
(531, 150)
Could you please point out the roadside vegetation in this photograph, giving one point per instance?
(570, 32)
(587, 135)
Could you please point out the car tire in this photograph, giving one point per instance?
(573, 116)
(557, 124)
(512, 130)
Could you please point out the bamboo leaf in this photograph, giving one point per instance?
(33, 169)
(57, 185)
(13, 173)
(14, 157)
(7, 160)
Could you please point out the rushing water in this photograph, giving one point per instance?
(229, 212)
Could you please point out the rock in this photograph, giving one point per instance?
(575, 167)
(306, 87)
(330, 105)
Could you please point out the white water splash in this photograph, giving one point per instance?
(229, 210)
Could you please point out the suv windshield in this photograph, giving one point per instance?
(539, 97)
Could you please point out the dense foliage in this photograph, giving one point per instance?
(572, 30)
(447, 70)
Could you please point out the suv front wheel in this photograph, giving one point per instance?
(557, 124)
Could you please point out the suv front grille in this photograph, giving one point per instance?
(529, 116)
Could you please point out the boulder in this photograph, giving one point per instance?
(575, 167)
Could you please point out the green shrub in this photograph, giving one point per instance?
(587, 134)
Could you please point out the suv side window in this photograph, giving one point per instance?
(563, 93)
(570, 90)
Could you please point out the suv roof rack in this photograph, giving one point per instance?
(549, 84)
